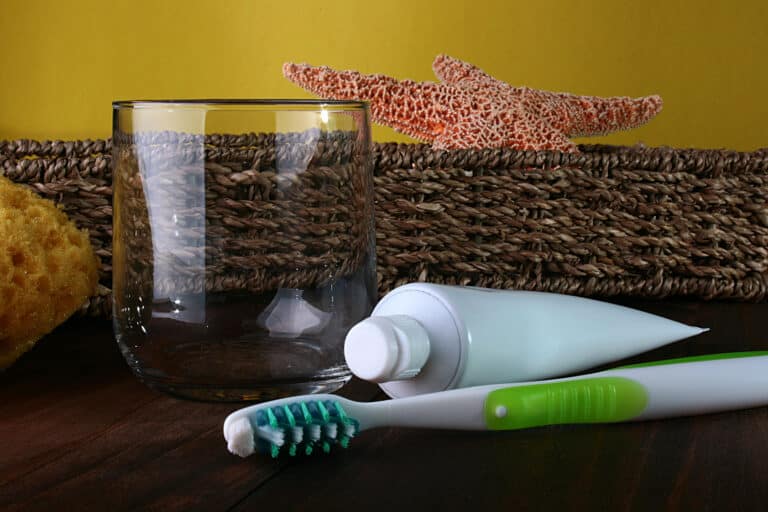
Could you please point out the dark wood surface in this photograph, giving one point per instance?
(78, 432)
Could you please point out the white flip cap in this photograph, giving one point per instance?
(385, 348)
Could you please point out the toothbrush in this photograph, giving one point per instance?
(675, 387)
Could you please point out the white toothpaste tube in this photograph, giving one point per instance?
(423, 338)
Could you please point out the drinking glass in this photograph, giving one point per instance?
(243, 244)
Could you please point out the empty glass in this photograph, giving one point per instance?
(243, 243)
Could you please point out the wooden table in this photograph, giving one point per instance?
(77, 431)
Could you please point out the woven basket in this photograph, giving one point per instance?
(633, 221)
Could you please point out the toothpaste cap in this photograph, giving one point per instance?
(385, 348)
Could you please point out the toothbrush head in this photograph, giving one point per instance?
(292, 428)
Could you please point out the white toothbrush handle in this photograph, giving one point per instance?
(670, 388)
(700, 386)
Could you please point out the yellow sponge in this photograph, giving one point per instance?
(47, 269)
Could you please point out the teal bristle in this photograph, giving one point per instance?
(302, 427)
(346, 426)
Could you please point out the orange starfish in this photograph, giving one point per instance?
(470, 109)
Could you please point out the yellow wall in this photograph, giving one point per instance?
(62, 63)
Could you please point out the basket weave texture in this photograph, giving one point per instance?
(290, 210)
(609, 221)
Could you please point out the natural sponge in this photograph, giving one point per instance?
(47, 269)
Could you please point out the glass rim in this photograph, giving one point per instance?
(217, 103)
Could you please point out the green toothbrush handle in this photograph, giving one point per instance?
(677, 387)
(592, 400)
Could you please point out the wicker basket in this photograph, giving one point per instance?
(636, 221)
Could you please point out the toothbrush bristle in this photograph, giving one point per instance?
(314, 432)
(297, 435)
(272, 435)
(240, 438)
(330, 430)
(349, 430)
(299, 427)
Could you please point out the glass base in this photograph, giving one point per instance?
(244, 392)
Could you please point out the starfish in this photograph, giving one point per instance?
(470, 109)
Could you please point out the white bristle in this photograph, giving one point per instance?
(297, 434)
(273, 435)
(330, 430)
(349, 430)
(239, 437)
(314, 432)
